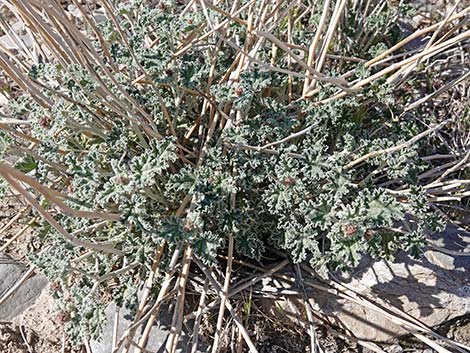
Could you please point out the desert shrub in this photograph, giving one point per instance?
(157, 128)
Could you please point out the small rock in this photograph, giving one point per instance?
(460, 332)
(7, 42)
(395, 348)
(455, 239)
(10, 272)
(158, 334)
(433, 290)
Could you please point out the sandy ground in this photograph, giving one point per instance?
(34, 331)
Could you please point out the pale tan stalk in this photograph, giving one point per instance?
(329, 35)
(397, 147)
(22, 80)
(413, 36)
(34, 203)
(44, 30)
(238, 288)
(198, 316)
(55, 196)
(289, 60)
(18, 234)
(14, 219)
(157, 306)
(177, 321)
(15, 38)
(425, 54)
(403, 72)
(229, 307)
(146, 292)
(224, 297)
(438, 92)
(313, 47)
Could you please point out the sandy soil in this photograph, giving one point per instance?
(34, 331)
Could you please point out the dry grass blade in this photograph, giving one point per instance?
(425, 54)
(115, 327)
(314, 344)
(313, 46)
(17, 285)
(146, 293)
(125, 336)
(177, 321)
(223, 299)
(238, 288)
(157, 306)
(22, 80)
(438, 92)
(34, 203)
(415, 35)
(17, 235)
(20, 214)
(54, 196)
(315, 73)
(403, 320)
(401, 75)
(397, 147)
(198, 317)
(229, 307)
(339, 8)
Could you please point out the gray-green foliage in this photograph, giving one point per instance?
(301, 198)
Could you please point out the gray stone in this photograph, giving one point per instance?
(457, 241)
(433, 290)
(7, 42)
(158, 335)
(19, 29)
(156, 338)
(432, 6)
(395, 348)
(10, 272)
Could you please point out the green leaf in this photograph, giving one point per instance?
(26, 165)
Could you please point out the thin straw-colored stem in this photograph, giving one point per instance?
(229, 307)
(223, 299)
